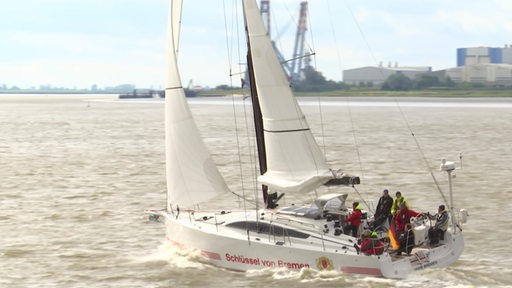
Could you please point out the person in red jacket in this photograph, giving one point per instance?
(354, 220)
(371, 245)
(403, 217)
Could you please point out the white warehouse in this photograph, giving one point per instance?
(491, 65)
(377, 75)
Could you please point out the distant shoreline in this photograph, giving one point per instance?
(475, 93)
(61, 92)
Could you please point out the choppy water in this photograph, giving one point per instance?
(76, 173)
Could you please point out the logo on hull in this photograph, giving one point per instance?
(324, 263)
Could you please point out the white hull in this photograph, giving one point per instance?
(235, 249)
(293, 237)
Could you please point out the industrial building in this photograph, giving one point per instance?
(489, 65)
(377, 75)
(484, 65)
(484, 55)
(498, 74)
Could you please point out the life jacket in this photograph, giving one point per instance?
(396, 204)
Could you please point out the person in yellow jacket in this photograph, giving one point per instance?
(398, 201)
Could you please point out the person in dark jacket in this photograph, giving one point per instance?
(383, 211)
(406, 240)
(436, 232)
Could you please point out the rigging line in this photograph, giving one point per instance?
(312, 48)
(333, 31)
(420, 150)
(362, 199)
(252, 152)
(361, 32)
(252, 145)
(228, 50)
(252, 149)
(364, 39)
(322, 126)
(358, 152)
(237, 136)
(401, 111)
(319, 100)
(322, 129)
(356, 144)
(284, 28)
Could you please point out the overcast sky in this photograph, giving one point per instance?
(78, 43)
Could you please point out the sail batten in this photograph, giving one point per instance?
(192, 176)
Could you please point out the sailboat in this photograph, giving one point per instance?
(295, 237)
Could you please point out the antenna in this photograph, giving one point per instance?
(448, 167)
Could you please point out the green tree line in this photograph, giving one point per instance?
(314, 81)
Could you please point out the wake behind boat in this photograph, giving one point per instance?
(290, 161)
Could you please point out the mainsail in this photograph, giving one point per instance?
(192, 176)
(295, 163)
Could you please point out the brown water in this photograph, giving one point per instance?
(78, 171)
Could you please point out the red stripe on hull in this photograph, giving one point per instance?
(207, 254)
(211, 255)
(362, 270)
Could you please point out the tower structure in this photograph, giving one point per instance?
(293, 67)
(265, 14)
(298, 57)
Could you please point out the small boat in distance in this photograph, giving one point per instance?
(150, 93)
(290, 161)
(143, 93)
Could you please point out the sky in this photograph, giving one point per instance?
(80, 43)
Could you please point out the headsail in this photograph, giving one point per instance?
(192, 176)
(295, 163)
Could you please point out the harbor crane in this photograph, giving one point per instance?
(294, 66)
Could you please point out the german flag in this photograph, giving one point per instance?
(392, 236)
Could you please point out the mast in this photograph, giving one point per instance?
(258, 118)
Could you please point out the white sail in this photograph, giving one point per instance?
(192, 177)
(295, 163)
